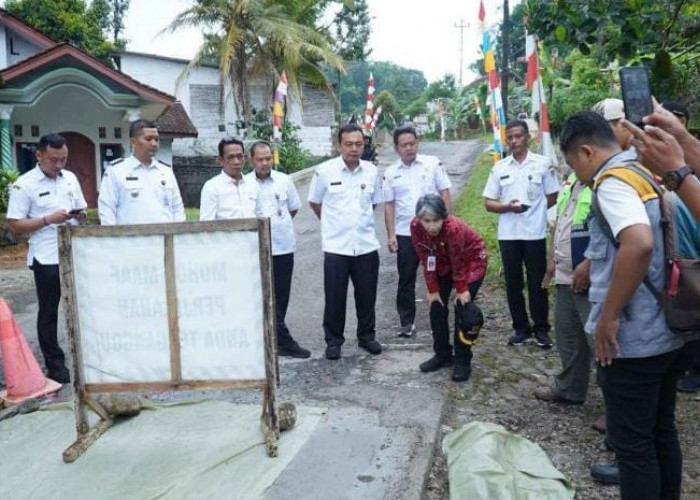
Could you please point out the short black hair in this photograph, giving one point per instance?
(677, 109)
(136, 127)
(229, 140)
(586, 127)
(518, 123)
(55, 141)
(348, 128)
(404, 129)
(256, 145)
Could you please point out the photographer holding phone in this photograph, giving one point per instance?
(41, 200)
(521, 188)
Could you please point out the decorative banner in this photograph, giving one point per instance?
(441, 112)
(375, 118)
(539, 102)
(278, 117)
(494, 99)
(370, 103)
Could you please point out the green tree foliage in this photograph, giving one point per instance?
(7, 177)
(260, 38)
(293, 156)
(406, 85)
(86, 27)
(352, 26)
(70, 20)
(391, 111)
(660, 34)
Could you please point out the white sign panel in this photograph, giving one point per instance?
(123, 316)
(219, 293)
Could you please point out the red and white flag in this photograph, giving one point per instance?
(533, 82)
(375, 118)
(370, 103)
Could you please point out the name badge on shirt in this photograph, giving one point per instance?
(44, 194)
(335, 187)
(431, 264)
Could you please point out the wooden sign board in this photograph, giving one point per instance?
(163, 307)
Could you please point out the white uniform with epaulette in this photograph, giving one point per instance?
(133, 193)
(35, 195)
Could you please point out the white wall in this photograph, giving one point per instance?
(164, 73)
(71, 109)
(21, 47)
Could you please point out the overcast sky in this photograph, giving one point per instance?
(418, 34)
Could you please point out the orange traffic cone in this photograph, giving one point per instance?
(23, 376)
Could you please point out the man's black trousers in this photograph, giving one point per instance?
(533, 253)
(363, 270)
(640, 404)
(407, 264)
(439, 323)
(48, 291)
(282, 268)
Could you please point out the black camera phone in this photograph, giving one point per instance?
(636, 94)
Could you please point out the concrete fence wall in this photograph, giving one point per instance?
(191, 177)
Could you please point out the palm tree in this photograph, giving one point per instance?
(251, 38)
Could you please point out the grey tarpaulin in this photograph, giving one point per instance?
(486, 462)
(205, 449)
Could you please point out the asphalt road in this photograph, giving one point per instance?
(305, 314)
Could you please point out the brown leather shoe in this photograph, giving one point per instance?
(599, 424)
(552, 397)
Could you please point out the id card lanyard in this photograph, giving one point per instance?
(431, 263)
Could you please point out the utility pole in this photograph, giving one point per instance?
(505, 34)
(461, 27)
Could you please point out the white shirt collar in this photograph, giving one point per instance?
(528, 157)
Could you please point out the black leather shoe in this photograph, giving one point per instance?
(462, 371)
(606, 473)
(333, 352)
(371, 346)
(61, 376)
(435, 363)
(293, 350)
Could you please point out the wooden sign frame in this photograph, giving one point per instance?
(83, 392)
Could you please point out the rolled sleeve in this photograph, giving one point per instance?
(293, 201)
(19, 204)
(621, 205)
(492, 190)
(317, 189)
(388, 187)
(442, 180)
(207, 204)
(107, 201)
(551, 182)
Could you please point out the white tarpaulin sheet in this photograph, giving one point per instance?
(123, 315)
(202, 450)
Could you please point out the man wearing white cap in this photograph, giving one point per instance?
(613, 110)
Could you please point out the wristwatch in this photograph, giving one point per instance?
(672, 180)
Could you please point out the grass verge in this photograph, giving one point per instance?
(470, 208)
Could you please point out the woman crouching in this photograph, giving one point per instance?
(453, 255)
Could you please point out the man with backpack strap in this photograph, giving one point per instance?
(640, 358)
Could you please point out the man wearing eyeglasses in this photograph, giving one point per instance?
(40, 201)
(229, 195)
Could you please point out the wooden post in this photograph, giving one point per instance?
(75, 350)
(269, 416)
(173, 324)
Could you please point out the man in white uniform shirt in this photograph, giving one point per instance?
(140, 189)
(343, 194)
(521, 188)
(280, 202)
(406, 180)
(41, 200)
(229, 195)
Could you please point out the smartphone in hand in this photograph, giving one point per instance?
(636, 94)
(77, 211)
(523, 208)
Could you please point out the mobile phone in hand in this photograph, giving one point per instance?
(77, 211)
(636, 94)
(524, 208)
